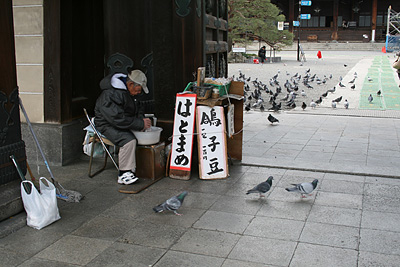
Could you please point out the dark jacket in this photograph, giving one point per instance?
(261, 53)
(117, 113)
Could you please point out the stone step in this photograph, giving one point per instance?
(10, 199)
(322, 46)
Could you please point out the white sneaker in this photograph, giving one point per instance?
(127, 178)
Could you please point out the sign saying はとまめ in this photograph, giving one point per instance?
(211, 139)
(182, 140)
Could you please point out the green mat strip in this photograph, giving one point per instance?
(383, 79)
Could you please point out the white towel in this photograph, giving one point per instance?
(116, 82)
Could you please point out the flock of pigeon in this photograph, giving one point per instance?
(175, 202)
(278, 95)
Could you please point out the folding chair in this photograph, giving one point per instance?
(96, 138)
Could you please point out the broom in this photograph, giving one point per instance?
(61, 192)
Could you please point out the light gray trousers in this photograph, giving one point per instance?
(127, 156)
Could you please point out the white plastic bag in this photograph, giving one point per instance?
(41, 208)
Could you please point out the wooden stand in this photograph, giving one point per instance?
(235, 143)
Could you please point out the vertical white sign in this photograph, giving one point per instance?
(182, 138)
(212, 142)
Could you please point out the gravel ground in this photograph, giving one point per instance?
(333, 63)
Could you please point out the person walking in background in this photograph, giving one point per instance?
(261, 54)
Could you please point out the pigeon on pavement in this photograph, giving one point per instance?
(370, 98)
(272, 119)
(338, 99)
(313, 104)
(173, 203)
(262, 188)
(346, 104)
(303, 188)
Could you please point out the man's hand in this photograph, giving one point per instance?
(147, 123)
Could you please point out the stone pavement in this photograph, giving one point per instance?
(350, 220)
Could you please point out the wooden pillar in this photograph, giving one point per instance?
(373, 20)
(52, 61)
(335, 19)
(291, 15)
(10, 129)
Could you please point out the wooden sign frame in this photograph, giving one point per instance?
(182, 138)
(212, 145)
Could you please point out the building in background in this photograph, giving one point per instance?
(339, 20)
(62, 48)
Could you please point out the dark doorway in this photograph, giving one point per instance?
(328, 21)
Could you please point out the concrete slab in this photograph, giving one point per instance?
(238, 205)
(177, 258)
(317, 255)
(120, 254)
(263, 250)
(206, 242)
(297, 210)
(153, 235)
(275, 228)
(330, 235)
(376, 259)
(224, 221)
(381, 221)
(378, 241)
(347, 187)
(106, 228)
(339, 200)
(64, 249)
(335, 215)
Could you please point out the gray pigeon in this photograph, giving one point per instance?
(303, 188)
(272, 119)
(173, 203)
(370, 98)
(262, 188)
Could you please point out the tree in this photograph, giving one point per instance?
(257, 19)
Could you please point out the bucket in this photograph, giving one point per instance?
(148, 137)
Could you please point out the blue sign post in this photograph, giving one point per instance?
(305, 16)
(305, 3)
(297, 23)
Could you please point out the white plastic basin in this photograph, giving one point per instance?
(148, 137)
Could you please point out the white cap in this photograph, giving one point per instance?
(139, 77)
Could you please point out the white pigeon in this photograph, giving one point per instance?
(303, 188)
(333, 104)
(346, 104)
(303, 93)
(313, 104)
(258, 103)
